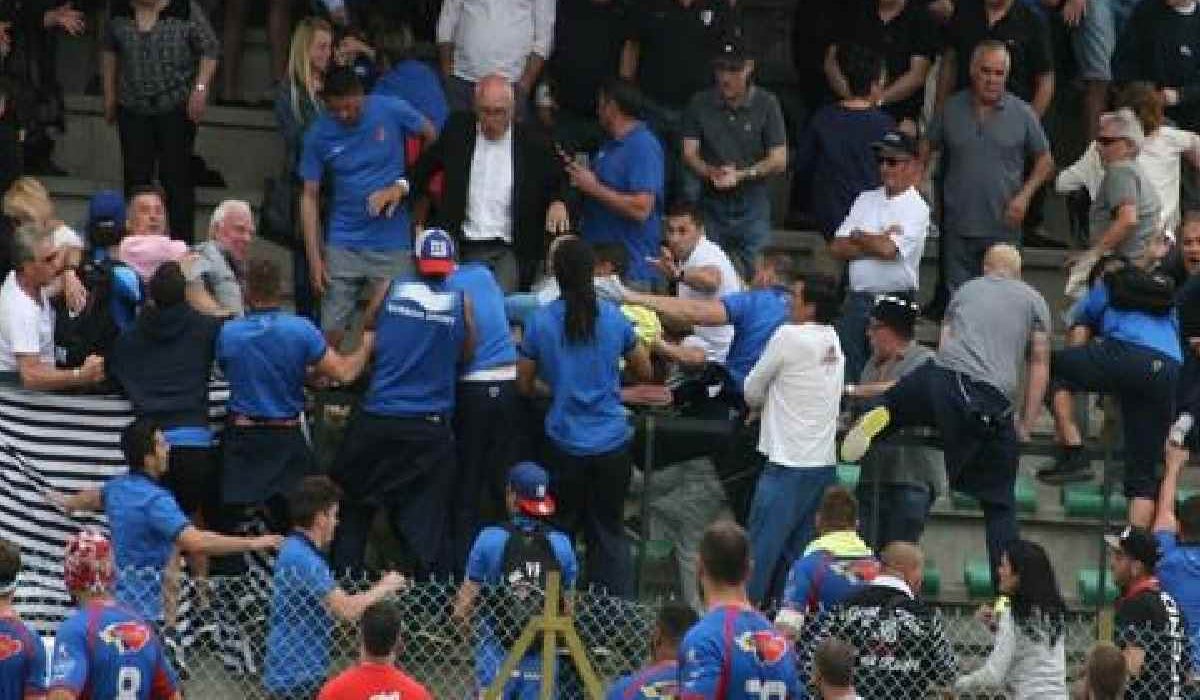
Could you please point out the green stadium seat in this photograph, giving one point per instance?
(1086, 501)
(932, 582)
(1088, 584)
(1024, 491)
(962, 501)
(977, 576)
(1182, 495)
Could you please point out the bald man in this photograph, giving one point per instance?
(993, 323)
(919, 656)
(503, 187)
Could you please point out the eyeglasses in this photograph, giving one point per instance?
(891, 161)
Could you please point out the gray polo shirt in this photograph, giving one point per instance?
(1125, 183)
(984, 162)
(991, 320)
(215, 269)
(893, 464)
(739, 135)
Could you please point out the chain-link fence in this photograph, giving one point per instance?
(232, 637)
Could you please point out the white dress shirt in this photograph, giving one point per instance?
(714, 340)
(495, 36)
(875, 212)
(798, 384)
(490, 190)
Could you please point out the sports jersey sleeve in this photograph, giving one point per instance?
(310, 157)
(317, 578)
(700, 664)
(619, 688)
(646, 172)
(736, 305)
(1167, 542)
(798, 587)
(36, 681)
(483, 562)
(566, 557)
(314, 343)
(166, 518)
(530, 346)
(70, 668)
(408, 118)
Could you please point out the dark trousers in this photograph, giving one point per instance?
(1144, 382)
(892, 513)
(194, 478)
(488, 430)
(161, 145)
(979, 441)
(405, 465)
(591, 494)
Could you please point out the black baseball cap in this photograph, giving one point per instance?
(896, 313)
(1136, 543)
(896, 141)
(731, 53)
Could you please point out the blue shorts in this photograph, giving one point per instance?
(1095, 39)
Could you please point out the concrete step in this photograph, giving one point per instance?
(244, 145)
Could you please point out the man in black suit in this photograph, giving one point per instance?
(503, 187)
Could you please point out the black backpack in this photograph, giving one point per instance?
(92, 331)
(1131, 288)
(525, 568)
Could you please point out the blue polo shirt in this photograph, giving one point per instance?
(485, 565)
(754, 315)
(22, 660)
(300, 625)
(1178, 572)
(145, 521)
(631, 164)
(1158, 333)
(265, 355)
(416, 83)
(586, 416)
(494, 346)
(362, 159)
(418, 339)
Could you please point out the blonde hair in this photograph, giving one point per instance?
(299, 67)
(28, 201)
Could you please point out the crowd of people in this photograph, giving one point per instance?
(566, 215)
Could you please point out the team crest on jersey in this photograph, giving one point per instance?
(128, 637)
(857, 571)
(768, 646)
(10, 647)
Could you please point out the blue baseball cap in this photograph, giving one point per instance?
(106, 211)
(435, 252)
(531, 484)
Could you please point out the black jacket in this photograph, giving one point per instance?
(1161, 46)
(164, 361)
(538, 180)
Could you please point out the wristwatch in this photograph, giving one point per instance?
(404, 187)
(679, 275)
(752, 173)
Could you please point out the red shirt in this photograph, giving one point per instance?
(373, 681)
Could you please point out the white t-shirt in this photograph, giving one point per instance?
(874, 212)
(715, 340)
(798, 384)
(26, 327)
(1160, 160)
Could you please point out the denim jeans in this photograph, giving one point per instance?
(740, 222)
(893, 513)
(782, 523)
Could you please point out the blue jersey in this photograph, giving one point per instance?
(632, 164)
(265, 356)
(1177, 570)
(734, 653)
(494, 345)
(1158, 333)
(485, 566)
(362, 158)
(145, 521)
(755, 315)
(104, 652)
(586, 416)
(660, 680)
(300, 625)
(418, 339)
(831, 569)
(22, 660)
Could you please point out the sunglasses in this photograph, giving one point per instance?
(892, 161)
(1108, 140)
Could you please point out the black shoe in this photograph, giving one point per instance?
(1071, 465)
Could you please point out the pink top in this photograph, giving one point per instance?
(145, 253)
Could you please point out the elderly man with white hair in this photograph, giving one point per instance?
(1125, 209)
(993, 324)
(215, 276)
